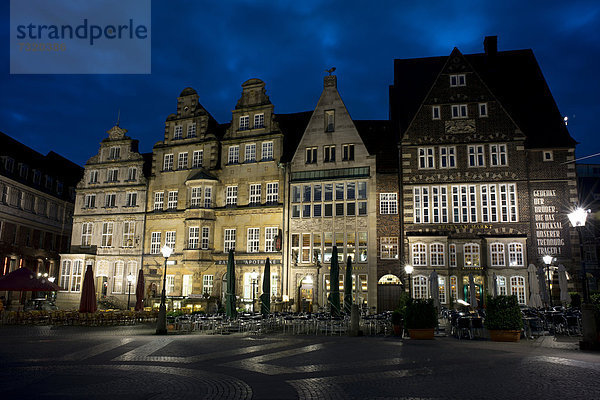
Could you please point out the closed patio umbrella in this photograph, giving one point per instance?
(348, 287)
(87, 304)
(265, 298)
(494, 285)
(542, 285)
(535, 300)
(24, 280)
(230, 293)
(472, 293)
(334, 284)
(434, 289)
(563, 284)
(139, 291)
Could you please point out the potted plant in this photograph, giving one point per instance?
(420, 319)
(503, 319)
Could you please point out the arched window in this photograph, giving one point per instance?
(102, 268)
(501, 285)
(471, 251)
(389, 279)
(118, 277)
(517, 288)
(454, 287)
(419, 254)
(436, 251)
(452, 255)
(515, 255)
(497, 254)
(420, 289)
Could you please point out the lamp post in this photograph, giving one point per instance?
(577, 219)
(130, 279)
(253, 277)
(161, 321)
(409, 270)
(548, 260)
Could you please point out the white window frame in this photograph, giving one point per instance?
(191, 130)
(311, 155)
(516, 255)
(118, 272)
(547, 155)
(498, 155)
(193, 237)
(426, 157)
(168, 162)
(452, 255)
(267, 151)
(231, 196)
(207, 196)
(271, 233)
(442, 289)
(244, 122)
(76, 274)
(459, 111)
(172, 200)
(272, 193)
(197, 158)
(170, 285)
(170, 239)
(65, 274)
(448, 157)
(420, 287)
(453, 282)
(177, 132)
(497, 255)
(228, 239)
(107, 234)
(483, 110)
(233, 154)
(159, 201)
(436, 112)
(196, 196)
(131, 199)
(501, 285)
(114, 153)
(250, 152)
(389, 248)
(155, 240)
(348, 152)
(93, 176)
(419, 254)
(110, 200)
(253, 240)
(128, 233)
(476, 156)
(457, 80)
(207, 283)
(113, 175)
(437, 255)
(388, 203)
(254, 193)
(187, 285)
(204, 243)
(182, 160)
(259, 121)
(471, 255)
(517, 288)
(86, 233)
(131, 174)
(90, 201)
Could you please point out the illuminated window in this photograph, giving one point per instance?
(419, 254)
(436, 253)
(471, 255)
(517, 288)
(389, 248)
(420, 289)
(515, 255)
(497, 254)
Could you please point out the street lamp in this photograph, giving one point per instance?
(253, 277)
(409, 270)
(130, 279)
(161, 321)
(548, 260)
(577, 219)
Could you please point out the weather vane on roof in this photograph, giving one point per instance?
(119, 117)
(330, 70)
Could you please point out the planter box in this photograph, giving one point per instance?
(421, 334)
(505, 335)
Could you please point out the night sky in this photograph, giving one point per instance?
(214, 46)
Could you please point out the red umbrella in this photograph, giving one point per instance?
(139, 291)
(24, 280)
(87, 304)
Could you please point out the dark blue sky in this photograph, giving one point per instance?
(214, 46)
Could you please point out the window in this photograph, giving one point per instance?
(295, 211)
(93, 176)
(452, 254)
(459, 111)
(114, 153)
(118, 277)
(110, 200)
(250, 152)
(347, 152)
(426, 158)
(497, 254)
(231, 196)
(439, 204)
(498, 155)
(254, 192)
(329, 153)
(196, 197)
(306, 255)
(274, 284)
(306, 211)
(339, 191)
(187, 285)
(90, 201)
(207, 197)
(317, 247)
(207, 283)
(295, 248)
(86, 233)
(253, 240)
(448, 157)
(205, 237)
(131, 173)
(193, 237)
(229, 241)
(131, 199)
(270, 234)
(76, 276)
(250, 285)
(170, 239)
(471, 253)
(272, 193)
(389, 248)
(420, 289)
(177, 132)
(155, 243)
(547, 155)
(233, 156)
(489, 203)
(170, 286)
(501, 285)
(435, 112)
(172, 200)
(37, 176)
(362, 247)
(113, 175)
(197, 158)
(517, 288)
(191, 130)
(458, 80)
(388, 203)
(311, 155)
(508, 202)
(244, 123)
(419, 254)
(168, 162)
(329, 120)
(65, 274)
(436, 254)
(107, 234)
(128, 233)
(453, 288)
(159, 200)
(476, 156)
(23, 170)
(267, 151)
(515, 255)
(483, 111)
(182, 161)
(259, 121)
(442, 289)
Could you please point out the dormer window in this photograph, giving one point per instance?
(114, 153)
(48, 181)
(459, 111)
(244, 123)
(37, 176)
(9, 163)
(259, 121)
(23, 170)
(329, 120)
(458, 80)
(178, 132)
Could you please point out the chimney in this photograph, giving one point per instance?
(330, 81)
(490, 45)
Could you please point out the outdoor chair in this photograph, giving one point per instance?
(464, 328)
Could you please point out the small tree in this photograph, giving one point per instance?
(503, 313)
(420, 314)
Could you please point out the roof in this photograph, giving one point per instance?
(514, 77)
(292, 126)
(202, 174)
(380, 140)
